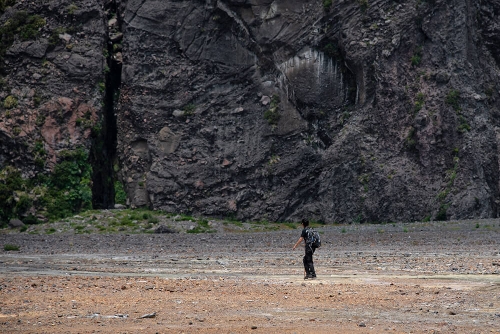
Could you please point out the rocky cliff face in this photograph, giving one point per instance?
(52, 88)
(342, 110)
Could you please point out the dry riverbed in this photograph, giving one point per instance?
(434, 277)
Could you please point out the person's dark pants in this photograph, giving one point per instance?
(308, 261)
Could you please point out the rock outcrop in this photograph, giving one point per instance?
(54, 77)
(354, 111)
(52, 88)
(340, 111)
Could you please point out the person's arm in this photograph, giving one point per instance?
(298, 242)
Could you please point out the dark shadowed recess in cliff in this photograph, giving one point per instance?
(103, 151)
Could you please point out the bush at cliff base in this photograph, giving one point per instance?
(63, 193)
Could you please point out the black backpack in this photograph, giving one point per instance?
(313, 238)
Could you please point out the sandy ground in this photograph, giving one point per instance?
(395, 278)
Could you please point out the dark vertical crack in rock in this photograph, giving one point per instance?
(103, 152)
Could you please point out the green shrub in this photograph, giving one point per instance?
(419, 102)
(21, 25)
(10, 247)
(417, 56)
(464, 126)
(120, 194)
(441, 215)
(272, 115)
(332, 51)
(410, 141)
(102, 87)
(10, 181)
(54, 35)
(6, 3)
(10, 102)
(327, 4)
(415, 60)
(23, 204)
(69, 185)
(39, 149)
(452, 99)
(37, 99)
(189, 109)
(72, 8)
(30, 30)
(31, 220)
(363, 4)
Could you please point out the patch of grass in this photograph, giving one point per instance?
(184, 217)
(50, 230)
(232, 222)
(127, 221)
(153, 220)
(10, 247)
(202, 227)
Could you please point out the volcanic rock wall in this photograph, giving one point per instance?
(53, 75)
(342, 110)
(357, 111)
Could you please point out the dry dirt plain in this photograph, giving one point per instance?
(435, 277)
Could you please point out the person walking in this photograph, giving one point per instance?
(309, 272)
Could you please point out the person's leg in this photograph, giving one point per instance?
(308, 265)
(312, 272)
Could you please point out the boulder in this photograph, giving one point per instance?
(15, 223)
(164, 229)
